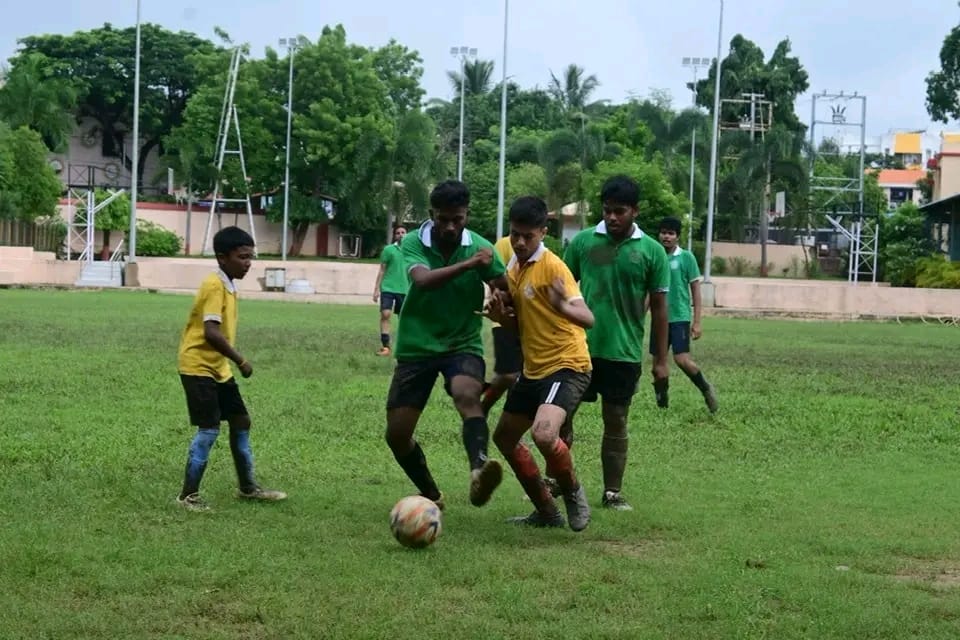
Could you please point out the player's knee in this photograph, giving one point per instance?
(466, 398)
(201, 445)
(543, 435)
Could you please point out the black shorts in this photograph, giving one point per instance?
(507, 355)
(614, 380)
(209, 402)
(391, 301)
(563, 388)
(678, 338)
(413, 380)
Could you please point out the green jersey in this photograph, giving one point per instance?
(444, 320)
(683, 271)
(395, 276)
(614, 279)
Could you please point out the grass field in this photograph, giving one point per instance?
(821, 502)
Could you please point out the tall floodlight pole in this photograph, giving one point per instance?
(712, 201)
(291, 45)
(135, 144)
(696, 64)
(462, 53)
(503, 124)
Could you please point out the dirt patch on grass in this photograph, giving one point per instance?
(939, 575)
(630, 548)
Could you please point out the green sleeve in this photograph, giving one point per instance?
(385, 254)
(693, 269)
(659, 274)
(571, 257)
(413, 252)
(496, 267)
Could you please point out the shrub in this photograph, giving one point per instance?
(740, 266)
(154, 240)
(937, 272)
(718, 265)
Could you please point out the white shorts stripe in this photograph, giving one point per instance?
(554, 388)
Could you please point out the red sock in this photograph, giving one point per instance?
(560, 465)
(527, 472)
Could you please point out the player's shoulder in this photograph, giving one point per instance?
(477, 241)
(213, 281)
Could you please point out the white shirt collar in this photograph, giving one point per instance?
(426, 235)
(676, 250)
(539, 253)
(228, 283)
(636, 234)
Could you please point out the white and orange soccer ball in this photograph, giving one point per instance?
(415, 522)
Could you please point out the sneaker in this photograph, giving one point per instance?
(483, 481)
(613, 500)
(537, 519)
(384, 351)
(578, 511)
(263, 495)
(439, 502)
(193, 502)
(710, 397)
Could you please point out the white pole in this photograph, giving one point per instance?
(693, 159)
(135, 159)
(503, 125)
(463, 60)
(286, 178)
(711, 204)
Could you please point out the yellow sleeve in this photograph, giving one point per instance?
(211, 300)
(570, 285)
(504, 249)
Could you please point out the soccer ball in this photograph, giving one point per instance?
(415, 522)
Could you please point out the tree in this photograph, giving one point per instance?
(903, 241)
(526, 179)
(573, 89)
(29, 188)
(32, 97)
(656, 198)
(477, 78)
(943, 86)
(780, 79)
(100, 65)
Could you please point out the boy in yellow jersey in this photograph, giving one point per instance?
(206, 349)
(507, 356)
(550, 315)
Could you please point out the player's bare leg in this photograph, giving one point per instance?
(613, 454)
(384, 332)
(507, 436)
(498, 386)
(689, 367)
(559, 462)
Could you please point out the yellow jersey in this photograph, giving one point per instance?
(215, 300)
(505, 250)
(550, 342)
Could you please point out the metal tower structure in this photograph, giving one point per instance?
(81, 187)
(228, 121)
(844, 204)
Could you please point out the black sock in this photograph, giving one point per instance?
(414, 465)
(698, 379)
(475, 437)
(385, 339)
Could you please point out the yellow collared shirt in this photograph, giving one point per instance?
(550, 342)
(215, 300)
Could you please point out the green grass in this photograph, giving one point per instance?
(821, 502)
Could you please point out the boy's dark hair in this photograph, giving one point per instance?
(529, 211)
(450, 195)
(671, 223)
(620, 190)
(229, 238)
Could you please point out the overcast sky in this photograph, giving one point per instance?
(881, 48)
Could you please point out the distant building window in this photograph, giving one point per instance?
(900, 195)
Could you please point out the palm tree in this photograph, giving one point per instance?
(573, 89)
(764, 166)
(477, 78)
